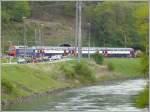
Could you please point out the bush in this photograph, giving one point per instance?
(110, 66)
(142, 99)
(7, 85)
(69, 9)
(84, 72)
(69, 72)
(145, 64)
(78, 70)
(98, 58)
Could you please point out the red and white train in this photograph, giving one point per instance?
(49, 51)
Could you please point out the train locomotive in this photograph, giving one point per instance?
(17, 51)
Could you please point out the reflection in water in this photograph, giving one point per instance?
(115, 97)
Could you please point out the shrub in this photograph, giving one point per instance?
(69, 71)
(7, 85)
(145, 64)
(98, 58)
(110, 66)
(78, 70)
(84, 72)
(142, 99)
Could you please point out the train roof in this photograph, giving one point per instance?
(57, 47)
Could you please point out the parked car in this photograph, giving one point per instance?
(45, 58)
(56, 57)
(21, 61)
(28, 59)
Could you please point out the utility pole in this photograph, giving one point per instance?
(39, 36)
(42, 40)
(9, 59)
(79, 33)
(89, 24)
(18, 42)
(35, 37)
(125, 40)
(76, 26)
(24, 36)
(104, 43)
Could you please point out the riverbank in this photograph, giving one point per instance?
(20, 82)
(142, 98)
(125, 68)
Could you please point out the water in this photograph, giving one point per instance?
(114, 97)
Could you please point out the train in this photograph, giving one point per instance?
(17, 51)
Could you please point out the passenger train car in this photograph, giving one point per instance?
(49, 51)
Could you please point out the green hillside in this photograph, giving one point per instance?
(113, 24)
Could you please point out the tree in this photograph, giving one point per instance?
(69, 9)
(15, 10)
(114, 19)
(141, 14)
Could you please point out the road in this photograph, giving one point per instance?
(54, 61)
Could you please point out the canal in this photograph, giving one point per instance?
(114, 96)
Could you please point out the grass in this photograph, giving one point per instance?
(6, 60)
(110, 66)
(7, 86)
(142, 99)
(84, 72)
(10, 90)
(78, 71)
(127, 67)
(68, 70)
(28, 79)
(23, 80)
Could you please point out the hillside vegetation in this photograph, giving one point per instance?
(113, 24)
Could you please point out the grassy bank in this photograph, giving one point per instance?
(142, 99)
(124, 67)
(25, 80)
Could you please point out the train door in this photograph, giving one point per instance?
(105, 53)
